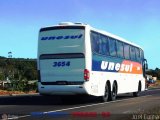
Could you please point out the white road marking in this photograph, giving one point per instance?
(17, 117)
(59, 110)
(93, 105)
(126, 112)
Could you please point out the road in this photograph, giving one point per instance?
(82, 107)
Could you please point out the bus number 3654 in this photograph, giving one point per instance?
(61, 64)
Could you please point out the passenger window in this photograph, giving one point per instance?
(112, 47)
(141, 54)
(95, 42)
(100, 45)
(104, 45)
(119, 49)
(126, 51)
(132, 53)
(138, 57)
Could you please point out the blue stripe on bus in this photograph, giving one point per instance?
(97, 61)
(96, 66)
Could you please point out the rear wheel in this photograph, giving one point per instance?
(105, 97)
(114, 92)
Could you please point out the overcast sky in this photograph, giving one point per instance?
(135, 20)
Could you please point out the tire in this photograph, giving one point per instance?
(136, 94)
(114, 92)
(105, 97)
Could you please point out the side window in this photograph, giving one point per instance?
(112, 47)
(104, 45)
(132, 53)
(95, 42)
(138, 57)
(119, 49)
(100, 45)
(126, 51)
(141, 54)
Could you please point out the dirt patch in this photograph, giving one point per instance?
(155, 85)
(5, 92)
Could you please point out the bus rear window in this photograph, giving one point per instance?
(62, 56)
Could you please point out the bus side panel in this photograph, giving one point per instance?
(126, 73)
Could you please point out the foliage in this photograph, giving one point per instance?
(19, 71)
(154, 73)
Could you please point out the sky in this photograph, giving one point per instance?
(135, 20)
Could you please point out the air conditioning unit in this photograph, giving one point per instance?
(66, 23)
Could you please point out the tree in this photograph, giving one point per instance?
(19, 71)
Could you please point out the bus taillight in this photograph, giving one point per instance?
(86, 74)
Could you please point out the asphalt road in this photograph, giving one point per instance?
(77, 107)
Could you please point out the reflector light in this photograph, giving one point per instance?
(86, 74)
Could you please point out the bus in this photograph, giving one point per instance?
(76, 59)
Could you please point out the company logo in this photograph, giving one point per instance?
(105, 65)
(62, 37)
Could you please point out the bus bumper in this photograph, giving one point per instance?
(61, 89)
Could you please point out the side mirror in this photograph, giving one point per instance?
(146, 66)
(145, 63)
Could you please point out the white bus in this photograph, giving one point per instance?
(75, 58)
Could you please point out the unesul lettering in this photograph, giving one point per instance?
(62, 37)
(105, 65)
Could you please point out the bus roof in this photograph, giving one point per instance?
(93, 29)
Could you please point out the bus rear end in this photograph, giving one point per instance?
(61, 60)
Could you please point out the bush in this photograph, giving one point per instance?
(21, 85)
